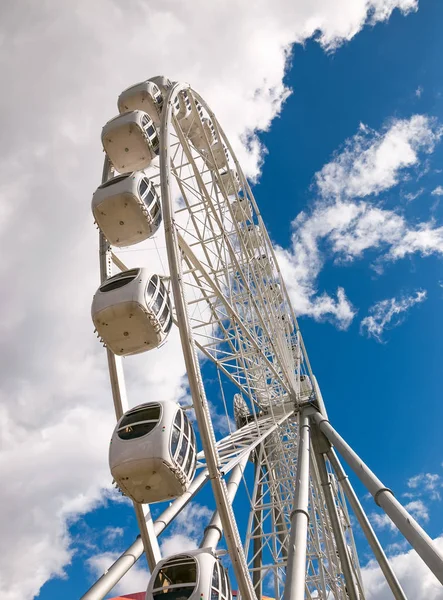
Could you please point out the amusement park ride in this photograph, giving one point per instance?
(170, 170)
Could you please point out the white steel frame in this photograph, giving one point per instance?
(229, 315)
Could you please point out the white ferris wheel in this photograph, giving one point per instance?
(170, 170)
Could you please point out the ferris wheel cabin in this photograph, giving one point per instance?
(132, 312)
(145, 96)
(162, 82)
(305, 385)
(287, 323)
(127, 209)
(152, 455)
(188, 116)
(242, 210)
(197, 575)
(217, 157)
(149, 96)
(274, 293)
(231, 182)
(252, 237)
(202, 134)
(263, 266)
(130, 140)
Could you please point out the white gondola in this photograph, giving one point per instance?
(231, 182)
(127, 209)
(263, 266)
(182, 109)
(202, 134)
(305, 385)
(152, 455)
(296, 353)
(274, 293)
(196, 575)
(242, 210)
(252, 237)
(190, 118)
(130, 140)
(145, 96)
(163, 83)
(132, 312)
(217, 157)
(287, 323)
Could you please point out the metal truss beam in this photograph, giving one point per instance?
(363, 520)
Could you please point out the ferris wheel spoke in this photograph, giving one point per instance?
(247, 338)
(218, 233)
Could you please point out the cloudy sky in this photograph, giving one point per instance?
(335, 109)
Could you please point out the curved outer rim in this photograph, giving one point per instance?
(196, 386)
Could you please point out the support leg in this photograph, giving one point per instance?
(336, 527)
(357, 508)
(257, 530)
(384, 497)
(296, 567)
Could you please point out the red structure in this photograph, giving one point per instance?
(134, 596)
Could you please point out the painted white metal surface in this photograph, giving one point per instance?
(127, 209)
(152, 453)
(130, 141)
(131, 318)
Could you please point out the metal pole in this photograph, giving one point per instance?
(339, 537)
(130, 556)
(258, 532)
(384, 497)
(296, 567)
(367, 528)
(147, 532)
(214, 530)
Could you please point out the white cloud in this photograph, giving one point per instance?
(397, 547)
(345, 228)
(414, 195)
(424, 239)
(416, 579)
(177, 543)
(428, 483)
(300, 268)
(418, 510)
(373, 162)
(438, 191)
(389, 313)
(419, 91)
(382, 521)
(111, 534)
(186, 531)
(135, 580)
(67, 64)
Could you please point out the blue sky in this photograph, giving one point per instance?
(368, 385)
(382, 395)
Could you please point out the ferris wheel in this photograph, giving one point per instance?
(256, 434)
